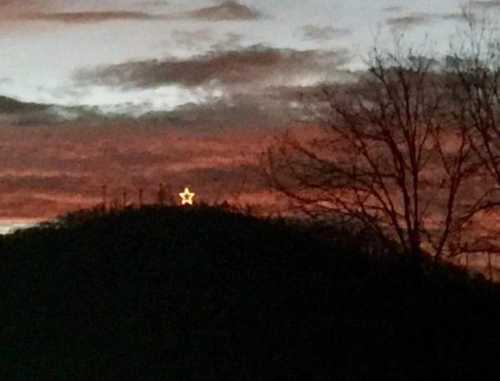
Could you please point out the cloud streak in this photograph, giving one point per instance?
(416, 19)
(226, 11)
(411, 20)
(89, 17)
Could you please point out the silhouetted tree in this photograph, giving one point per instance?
(473, 79)
(388, 156)
(473, 70)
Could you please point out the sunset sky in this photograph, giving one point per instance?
(132, 93)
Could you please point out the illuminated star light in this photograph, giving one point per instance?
(187, 197)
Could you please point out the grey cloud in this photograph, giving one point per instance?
(419, 19)
(416, 19)
(313, 32)
(201, 38)
(238, 111)
(13, 106)
(226, 11)
(256, 64)
(15, 112)
(486, 4)
(154, 3)
(231, 41)
(270, 108)
(411, 20)
(265, 109)
(192, 39)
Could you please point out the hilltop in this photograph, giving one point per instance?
(210, 294)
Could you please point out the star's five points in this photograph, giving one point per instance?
(187, 197)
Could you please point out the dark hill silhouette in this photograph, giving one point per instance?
(208, 294)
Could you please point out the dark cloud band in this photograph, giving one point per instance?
(88, 17)
(226, 11)
(252, 65)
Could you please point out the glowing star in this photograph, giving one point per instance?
(187, 197)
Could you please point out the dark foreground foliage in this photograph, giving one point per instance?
(206, 294)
